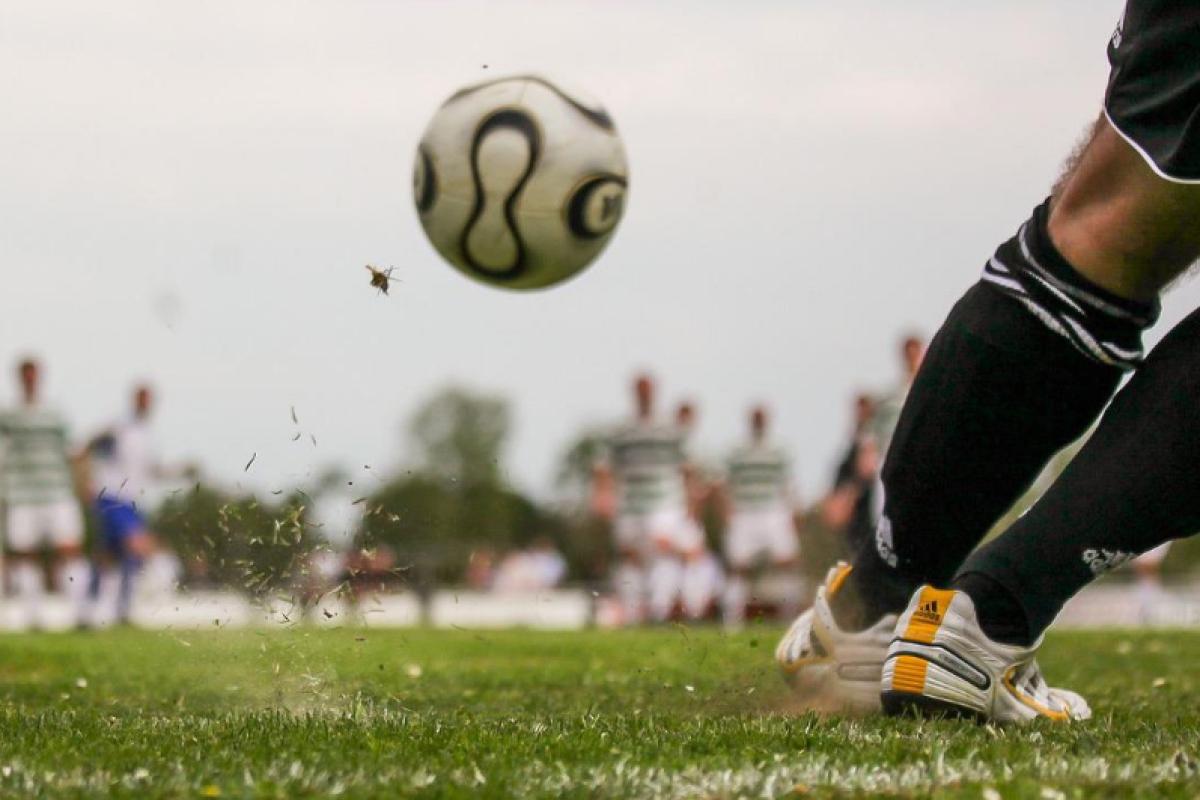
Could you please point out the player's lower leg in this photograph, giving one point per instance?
(129, 567)
(664, 581)
(73, 575)
(1133, 486)
(697, 590)
(734, 598)
(28, 585)
(629, 585)
(1007, 382)
(1023, 365)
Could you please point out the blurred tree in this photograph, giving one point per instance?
(236, 542)
(434, 525)
(573, 478)
(455, 500)
(460, 436)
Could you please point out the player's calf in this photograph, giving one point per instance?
(1023, 365)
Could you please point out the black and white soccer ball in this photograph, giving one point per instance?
(520, 183)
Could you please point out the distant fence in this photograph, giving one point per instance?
(565, 609)
(1111, 604)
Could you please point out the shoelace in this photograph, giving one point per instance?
(1030, 681)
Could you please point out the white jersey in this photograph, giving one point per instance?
(887, 416)
(758, 479)
(123, 461)
(647, 461)
(34, 466)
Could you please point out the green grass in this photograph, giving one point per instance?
(666, 713)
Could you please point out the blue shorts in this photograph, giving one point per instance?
(118, 521)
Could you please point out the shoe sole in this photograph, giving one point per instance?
(917, 686)
(904, 704)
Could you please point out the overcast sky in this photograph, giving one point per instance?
(189, 191)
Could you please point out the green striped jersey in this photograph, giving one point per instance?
(34, 465)
(647, 460)
(758, 478)
(887, 416)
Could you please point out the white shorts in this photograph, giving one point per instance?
(752, 534)
(57, 524)
(644, 533)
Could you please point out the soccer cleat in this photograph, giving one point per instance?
(831, 669)
(942, 663)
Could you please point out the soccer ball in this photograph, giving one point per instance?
(519, 183)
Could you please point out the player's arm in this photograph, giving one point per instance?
(792, 501)
(838, 506)
(603, 500)
(80, 460)
(691, 488)
(722, 499)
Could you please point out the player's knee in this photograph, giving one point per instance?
(1121, 225)
(140, 544)
(630, 558)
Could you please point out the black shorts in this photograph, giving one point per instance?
(1153, 97)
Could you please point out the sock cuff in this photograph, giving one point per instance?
(999, 612)
(1036, 237)
(1100, 325)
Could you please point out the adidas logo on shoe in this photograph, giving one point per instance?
(928, 612)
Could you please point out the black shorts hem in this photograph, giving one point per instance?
(1147, 157)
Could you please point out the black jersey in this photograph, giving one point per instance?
(1153, 97)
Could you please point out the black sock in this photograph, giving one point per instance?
(1023, 365)
(1000, 615)
(1133, 486)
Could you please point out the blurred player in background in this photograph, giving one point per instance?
(123, 463)
(41, 507)
(888, 405)
(759, 510)
(703, 577)
(849, 507)
(643, 483)
(856, 502)
(1154, 602)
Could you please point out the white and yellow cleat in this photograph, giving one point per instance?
(830, 669)
(942, 663)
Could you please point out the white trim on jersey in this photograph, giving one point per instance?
(1157, 170)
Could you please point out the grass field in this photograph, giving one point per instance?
(666, 713)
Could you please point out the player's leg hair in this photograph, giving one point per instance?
(1022, 366)
(1133, 486)
(1072, 161)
